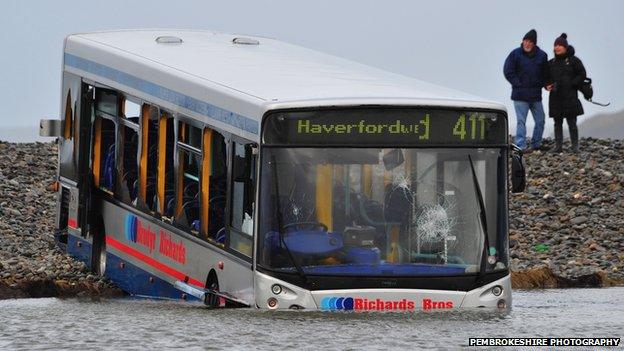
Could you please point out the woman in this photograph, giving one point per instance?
(564, 75)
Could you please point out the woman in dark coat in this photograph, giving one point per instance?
(565, 74)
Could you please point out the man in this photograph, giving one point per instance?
(565, 74)
(524, 68)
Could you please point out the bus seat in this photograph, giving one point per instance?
(370, 211)
(220, 237)
(170, 201)
(196, 225)
(191, 210)
(216, 209)
(191, 190)
(109, 168)
(133, 192)
(364, 255)
(154, 206)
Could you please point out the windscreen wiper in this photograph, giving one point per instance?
(280, 226)
(486, 241)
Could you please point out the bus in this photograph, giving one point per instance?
(243, 171)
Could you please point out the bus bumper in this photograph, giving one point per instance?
(272, 293)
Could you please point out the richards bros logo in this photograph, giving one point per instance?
(362, 304)
(141, 233)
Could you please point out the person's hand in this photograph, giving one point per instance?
(549, 87)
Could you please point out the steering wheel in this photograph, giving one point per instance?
(306, 224)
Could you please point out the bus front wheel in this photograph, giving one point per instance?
(212, 284)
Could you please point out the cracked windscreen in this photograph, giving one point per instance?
(381, 211)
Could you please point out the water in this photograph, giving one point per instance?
(140, 324)
(23, 134)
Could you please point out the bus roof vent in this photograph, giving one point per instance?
(168, 39)
(245, 41)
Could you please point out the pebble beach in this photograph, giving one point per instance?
(31, 265)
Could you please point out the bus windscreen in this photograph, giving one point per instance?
(386, 127)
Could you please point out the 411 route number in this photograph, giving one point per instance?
(471, 128)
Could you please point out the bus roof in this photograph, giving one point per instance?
(209, 76)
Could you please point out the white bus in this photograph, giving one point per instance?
(244, 171)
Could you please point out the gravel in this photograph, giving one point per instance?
(28, 252)
(574, 207)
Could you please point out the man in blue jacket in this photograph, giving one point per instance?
(524, 69)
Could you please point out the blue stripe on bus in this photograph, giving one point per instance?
(190, 103)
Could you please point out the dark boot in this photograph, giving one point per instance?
(558, 137)
(573, 135)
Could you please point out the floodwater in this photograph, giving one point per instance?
(135, 324)
(23, 135)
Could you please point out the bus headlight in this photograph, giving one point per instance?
(276, 289)
(497, 290)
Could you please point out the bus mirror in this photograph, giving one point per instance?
(518, 174)
(393, 159)
(50, 127)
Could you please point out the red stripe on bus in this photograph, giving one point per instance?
(150, 261)
(72, 223)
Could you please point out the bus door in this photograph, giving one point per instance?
(85, 180)
(74, 159)
(74, 153)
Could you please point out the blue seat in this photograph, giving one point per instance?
(196, 225)
(220, 237)
(108, 180)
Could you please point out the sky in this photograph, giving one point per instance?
(458, 44)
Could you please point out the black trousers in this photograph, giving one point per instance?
(572, 127)
(571, 123)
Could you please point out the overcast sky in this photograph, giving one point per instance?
(459, 44)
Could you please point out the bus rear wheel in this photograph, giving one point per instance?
(98, 258)
(100, 268)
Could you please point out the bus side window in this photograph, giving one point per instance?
(148, 163)
(187, 203)
(106, 101)
(165, 173)
(214, 186)
(243, 183)
(127, 170)
(189, 173)
(104, 153)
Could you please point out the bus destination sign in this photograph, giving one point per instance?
(383, 127)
